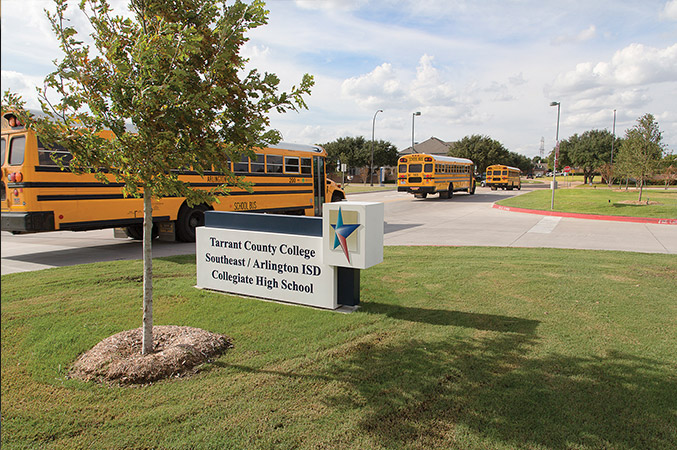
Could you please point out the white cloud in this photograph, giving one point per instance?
(670, 10)
(634, 65)
(585, 35)
(517, 80)
(23, 85)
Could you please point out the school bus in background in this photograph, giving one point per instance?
(422, 174)
(504, 177)
(38, 196)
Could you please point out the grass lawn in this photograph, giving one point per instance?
(600, 201)
(453, 348)
(359, 187)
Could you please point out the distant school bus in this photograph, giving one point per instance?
(38, 196)
(504, 177)
(421, 174)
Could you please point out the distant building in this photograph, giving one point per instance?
(540, 168)
(432, 146)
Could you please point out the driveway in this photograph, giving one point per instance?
(463, 220)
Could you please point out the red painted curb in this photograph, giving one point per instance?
(588, 216)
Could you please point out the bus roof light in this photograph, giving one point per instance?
(403, 160)
(428, 159)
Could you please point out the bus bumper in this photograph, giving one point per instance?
(27, 221)
(419, 190)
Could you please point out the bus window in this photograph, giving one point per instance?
(45, 155)
(259, 165)
(401, 169)
(428, 167)
(291, 164)
(17, 147)
(306, 166)
(274, 163)
(2, 144)
(243, 165)
(415, 168)
(505, 172)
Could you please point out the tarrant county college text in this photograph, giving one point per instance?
(271, 249)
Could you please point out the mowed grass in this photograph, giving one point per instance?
(600, 201)
(356, 188)
(452, 348)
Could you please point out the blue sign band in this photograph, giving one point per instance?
(268, 223)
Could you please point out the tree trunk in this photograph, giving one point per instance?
(641, 187)
(147, 344)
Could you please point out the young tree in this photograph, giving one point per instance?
(173, 70)
(641, 150)
(669, 169)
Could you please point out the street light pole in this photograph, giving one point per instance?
(417, 113)
(371, 166)
(554, 169)
(613, 138)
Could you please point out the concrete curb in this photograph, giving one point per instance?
(588, 216)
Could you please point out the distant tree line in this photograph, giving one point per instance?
(484, 152)
(640, 155)
(356, 152)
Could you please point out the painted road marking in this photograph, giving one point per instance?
(546, 225)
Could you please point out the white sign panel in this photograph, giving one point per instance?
(275, 266)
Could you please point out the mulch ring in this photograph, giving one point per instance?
(178, 351)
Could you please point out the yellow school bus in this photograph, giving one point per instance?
(421, 174)
(504, 177)
(37, 195)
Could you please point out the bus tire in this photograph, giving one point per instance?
(451, 190)
(519, 187)
(471, 191)
(336, 197)
(188, 219)
(136, 231)
(444, 194)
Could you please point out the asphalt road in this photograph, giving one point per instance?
(463, 220)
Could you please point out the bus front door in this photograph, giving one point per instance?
(319, 183)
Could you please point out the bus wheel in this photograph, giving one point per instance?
(519, 187)
(444, 194)
(471, 191)
(136, 231)
(336, 197)
(451, 190)
(188, 219)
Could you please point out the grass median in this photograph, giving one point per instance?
(468, 348)
(661, 203)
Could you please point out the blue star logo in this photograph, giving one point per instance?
(342, 232)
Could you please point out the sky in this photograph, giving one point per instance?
(489, 67)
